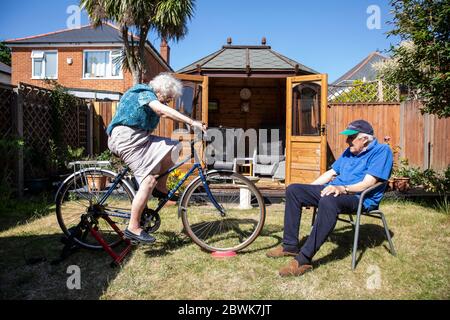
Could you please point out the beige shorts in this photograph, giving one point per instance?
(141, 151)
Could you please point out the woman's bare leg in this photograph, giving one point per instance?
(166, 164)
(139, 203)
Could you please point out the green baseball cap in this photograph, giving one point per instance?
(357, 127)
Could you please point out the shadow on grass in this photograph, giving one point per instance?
(26, 271)
(170, 241)
(370, 236)
(16, 212)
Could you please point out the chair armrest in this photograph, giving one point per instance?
(365, 192)
(376, 185)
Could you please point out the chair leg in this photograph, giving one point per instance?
(388, 235)
(355, 241)
(352, 223)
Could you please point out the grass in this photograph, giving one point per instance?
(175, 268)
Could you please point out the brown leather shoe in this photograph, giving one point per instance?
(294, 269)
(279, 252)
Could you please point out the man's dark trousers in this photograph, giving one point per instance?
(329, 207)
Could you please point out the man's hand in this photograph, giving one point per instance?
(337, 190)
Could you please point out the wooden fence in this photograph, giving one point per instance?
(425, 139)
(103, 113)
(384, 117)
(422, 139)
(26, 115)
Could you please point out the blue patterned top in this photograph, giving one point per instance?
(133, 109)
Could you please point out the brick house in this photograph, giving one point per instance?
(85, 60)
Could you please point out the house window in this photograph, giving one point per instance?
(44, 64)
(104, 64)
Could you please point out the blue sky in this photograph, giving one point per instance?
(329, 36)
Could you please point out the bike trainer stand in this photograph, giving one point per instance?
(81, 231)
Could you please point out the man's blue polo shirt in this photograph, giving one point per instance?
(377, 161)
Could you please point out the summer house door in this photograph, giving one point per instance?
(194, 104)
(306, 143)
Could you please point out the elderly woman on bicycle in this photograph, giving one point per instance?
(147, 155)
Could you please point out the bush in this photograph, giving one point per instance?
(429, 179)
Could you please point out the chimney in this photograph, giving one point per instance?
(164, 50)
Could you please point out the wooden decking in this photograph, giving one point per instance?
(274, 190)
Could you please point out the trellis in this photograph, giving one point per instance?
(363, 92)
(37, 128)
(26, 114)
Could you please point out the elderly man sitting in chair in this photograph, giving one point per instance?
(363, 164)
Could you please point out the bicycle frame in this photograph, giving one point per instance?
(162, 203)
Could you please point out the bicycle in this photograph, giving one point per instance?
(220, 210)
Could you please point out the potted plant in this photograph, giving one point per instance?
(401, 184)
(98, 182)
(401, 176)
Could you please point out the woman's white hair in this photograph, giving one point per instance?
(167, 86)
(365, 135)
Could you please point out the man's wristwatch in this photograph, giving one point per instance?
(346, 189)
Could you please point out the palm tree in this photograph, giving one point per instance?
(136, 18)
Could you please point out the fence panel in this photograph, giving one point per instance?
(440, 156)
(104, 111)
(426, 138)
(384, 117)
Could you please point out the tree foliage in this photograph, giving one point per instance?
(5, 54)
(136, 18)
(422, 60)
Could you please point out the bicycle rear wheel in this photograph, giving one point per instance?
(243, 208)
(79, 197)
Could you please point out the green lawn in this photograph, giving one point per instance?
(175, 268)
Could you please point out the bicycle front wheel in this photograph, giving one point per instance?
(233, 222)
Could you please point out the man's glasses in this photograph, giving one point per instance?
(353, 137)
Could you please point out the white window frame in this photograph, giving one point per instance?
(108, 77)
(43, 77)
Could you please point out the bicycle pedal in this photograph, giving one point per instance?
(134, 242)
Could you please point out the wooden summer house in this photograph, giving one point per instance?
(243, 86)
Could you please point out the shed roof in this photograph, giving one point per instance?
(363, 70)
(236, 58)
